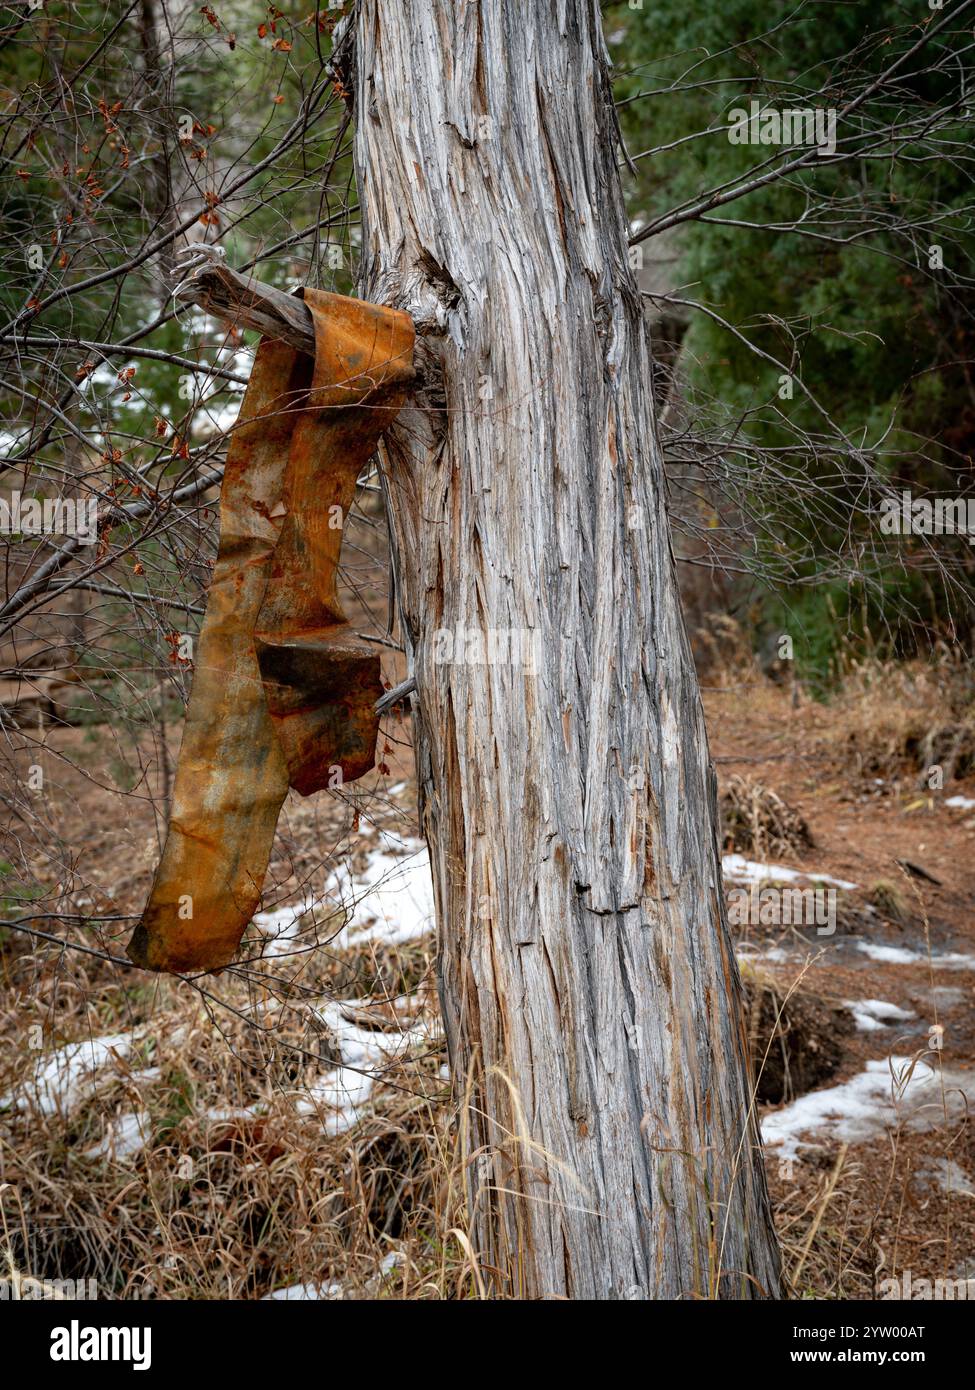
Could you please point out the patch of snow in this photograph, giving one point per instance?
(870, 1014)
(304, 1293)
(281, 925)
(124, 1136)
(737, 869)
(903, 955)
(964, 803)
(890, 1091)
(139, 1078)
(941, 996)
(390, 901)
(950, 1177)
(889, 955)
(393, 899)
(746, 952)
(63, 1078)
(952, 960)
(344, 1091)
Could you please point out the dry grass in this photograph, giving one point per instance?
(825, 1232)
(755, 820)
(239, 1185)
(234, 1192)
(723, 650)
(897, 720)
(850, 1217)
(890, 901)
(242, 1177)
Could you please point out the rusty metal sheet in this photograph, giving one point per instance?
(283, 690)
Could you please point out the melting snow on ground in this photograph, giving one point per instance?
(228, 1114)
(903, 955)
(748, 953)
(123, 1137)
(737, 869)
(303, 1292)
(339, 1095)
(891, 1091)
(391, 901)
(949, 1176)
(871, 1014)
(64, 1078)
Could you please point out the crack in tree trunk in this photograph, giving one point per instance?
(589, 987)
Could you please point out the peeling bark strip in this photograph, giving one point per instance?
(589, 988)
(283, 692)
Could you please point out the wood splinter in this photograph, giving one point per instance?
(241, 301)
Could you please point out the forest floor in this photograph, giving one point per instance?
(285, 1129)
(873, 1173)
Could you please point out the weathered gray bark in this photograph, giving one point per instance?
(588, 984)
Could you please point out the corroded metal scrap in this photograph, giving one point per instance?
(283, 691)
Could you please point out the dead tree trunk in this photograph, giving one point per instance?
(589, 988)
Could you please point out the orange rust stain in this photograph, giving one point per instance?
(283, 690)
(611, 442)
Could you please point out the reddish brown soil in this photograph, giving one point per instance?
(882, 1215)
